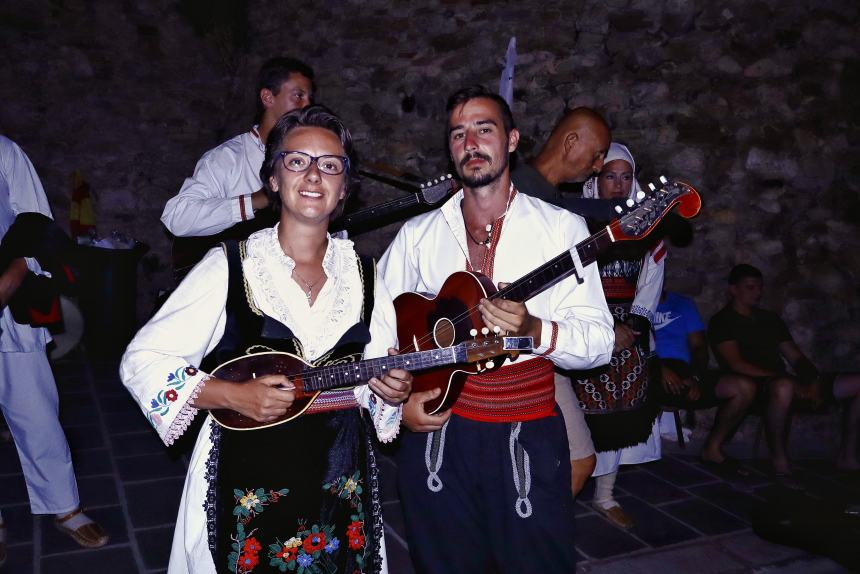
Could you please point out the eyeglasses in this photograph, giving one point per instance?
(300, 162)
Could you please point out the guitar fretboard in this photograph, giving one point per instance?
(555, 270)
(351, 374)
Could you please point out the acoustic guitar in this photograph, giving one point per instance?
(310, 381)
(452, 315)
(186, 252)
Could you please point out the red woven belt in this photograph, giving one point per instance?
(521, 391)
(618, 288)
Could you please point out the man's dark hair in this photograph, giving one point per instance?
(274, 72)
(472, 92)
(315, 116)
(742, 271)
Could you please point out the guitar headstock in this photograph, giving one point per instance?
(480, 349)
(644, 216)
(435, 190)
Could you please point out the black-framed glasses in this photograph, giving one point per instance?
(299, 161)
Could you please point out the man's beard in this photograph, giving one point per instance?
(483, 179)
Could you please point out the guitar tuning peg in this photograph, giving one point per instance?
(630, 203)
(422, 186)
(449, 176)
(663, 180)
(490, 364)
(652, 187)
(640, 196)
(473, 332)
(618, 209)
(435, 181)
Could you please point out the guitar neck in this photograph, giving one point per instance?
(556, 269)
(352, 374)
(360, 217)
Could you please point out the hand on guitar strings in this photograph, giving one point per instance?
(263, 399)
(511, 317)
(393, 388)
(416, 418)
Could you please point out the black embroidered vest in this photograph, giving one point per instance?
(302, 495)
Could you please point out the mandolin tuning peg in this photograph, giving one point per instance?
(485, 331)
(473, 332)
(630, 203)
(640, 196)
(652, 187)
(618, 209)
(663, 180)
(449, 176)
(490, 364)
(497, 329)
(422, 186)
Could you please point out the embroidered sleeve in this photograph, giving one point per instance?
(159, 366)
(650, 283)
(386, 418)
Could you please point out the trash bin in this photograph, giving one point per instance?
(107, 294)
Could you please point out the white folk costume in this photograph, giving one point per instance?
(615, 398)
(160, 369)
(28, 393)
(218, 194)
(477, 471)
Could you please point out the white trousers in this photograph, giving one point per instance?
(28, 397)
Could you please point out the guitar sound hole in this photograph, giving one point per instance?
(443, 333)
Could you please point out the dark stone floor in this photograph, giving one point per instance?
(688, 519)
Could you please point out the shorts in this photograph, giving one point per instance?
(707, 385)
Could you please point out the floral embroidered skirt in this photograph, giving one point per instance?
(300, 497)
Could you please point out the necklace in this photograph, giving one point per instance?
(308, 285)
(492, 225)
(487, 241)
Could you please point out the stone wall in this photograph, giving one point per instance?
(754, 102)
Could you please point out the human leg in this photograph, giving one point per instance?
(736, 393)
(28, 395)
(430, 515)
(604, 501)
(780, 394)
(846, 387)
(580, 471)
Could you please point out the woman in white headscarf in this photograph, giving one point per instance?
(622, 420)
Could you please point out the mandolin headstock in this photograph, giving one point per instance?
(643, 217)
(435, 190)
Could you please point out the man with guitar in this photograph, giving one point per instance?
(226, 188)
(495, 465)
(28, 393)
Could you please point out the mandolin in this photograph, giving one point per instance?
(310, 381)
(452, 315)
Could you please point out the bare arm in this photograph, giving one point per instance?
(698, 350)
(11, 279)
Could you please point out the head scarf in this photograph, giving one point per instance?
(616, 151)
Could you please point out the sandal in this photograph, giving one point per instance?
(616, 515)
(3, 554)
(729, 466)
(82, 529)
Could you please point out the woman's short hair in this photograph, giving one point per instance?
(316, 116)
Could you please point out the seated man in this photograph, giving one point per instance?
(687, 382)
(751, 341)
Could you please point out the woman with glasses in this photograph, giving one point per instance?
(304, 494)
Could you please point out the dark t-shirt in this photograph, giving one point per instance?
(758, 336)
(528, 180)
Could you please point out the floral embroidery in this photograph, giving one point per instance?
(159, 406)
(245, 547)
(307, 552)
(349, 488)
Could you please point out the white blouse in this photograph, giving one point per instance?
(160, 365)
